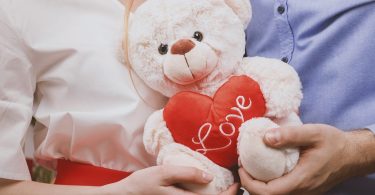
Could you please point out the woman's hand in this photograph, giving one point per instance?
(328, 157)
(161, 180)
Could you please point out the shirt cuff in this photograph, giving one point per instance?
(371, 128)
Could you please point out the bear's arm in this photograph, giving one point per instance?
(156, 133)
(279, 83)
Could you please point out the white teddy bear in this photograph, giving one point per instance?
(221, 103)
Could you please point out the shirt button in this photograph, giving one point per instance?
(281, 9)
(285, 59)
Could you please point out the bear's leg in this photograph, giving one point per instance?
(260, 161)
(180, 155)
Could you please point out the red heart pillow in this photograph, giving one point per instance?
(210, 125)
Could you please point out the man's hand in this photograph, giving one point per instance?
(232, 190)
(328, 156)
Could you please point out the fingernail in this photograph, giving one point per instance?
(273, 137)
(207, 177)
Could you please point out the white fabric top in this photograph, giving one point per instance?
(59, 63)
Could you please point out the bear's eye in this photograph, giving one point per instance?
(198, 36)
(163, 49)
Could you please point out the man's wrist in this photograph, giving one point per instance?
(360, 152)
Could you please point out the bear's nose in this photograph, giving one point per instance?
(182, 46)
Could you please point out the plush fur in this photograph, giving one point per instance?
(275, 163)
(167, 21)
(165, 54)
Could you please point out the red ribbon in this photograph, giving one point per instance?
(72, 173)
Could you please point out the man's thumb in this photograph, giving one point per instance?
(295, 136)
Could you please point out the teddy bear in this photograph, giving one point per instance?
(220, 102)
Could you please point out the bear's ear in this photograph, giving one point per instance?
(240, 7)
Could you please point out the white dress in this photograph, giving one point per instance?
(59, 63)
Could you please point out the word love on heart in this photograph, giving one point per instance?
(209, 125)
(226, 128)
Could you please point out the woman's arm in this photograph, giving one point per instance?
(153, 180)
(12, 187)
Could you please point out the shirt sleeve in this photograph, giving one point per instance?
(17, 85)
(371, 128)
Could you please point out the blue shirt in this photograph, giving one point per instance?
(331, 44)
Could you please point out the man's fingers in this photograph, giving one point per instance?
(172, 190)
(232, 190)
(289, 182)
(304, 135)
(283, 185)
(251, 185)
(179, 174)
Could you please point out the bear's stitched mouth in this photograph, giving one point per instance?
(187, 63)
(192, 66)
